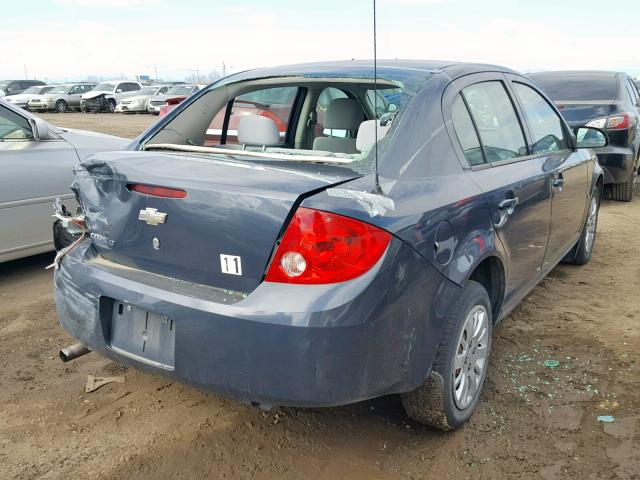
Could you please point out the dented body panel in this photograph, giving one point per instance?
(223, 197)
(317, 345)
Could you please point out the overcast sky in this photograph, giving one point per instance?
(71, 39)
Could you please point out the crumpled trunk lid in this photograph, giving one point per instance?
(221, 234)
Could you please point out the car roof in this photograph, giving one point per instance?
(417, 68)
(577, 73)
(113, 82)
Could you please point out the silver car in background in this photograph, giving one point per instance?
(62, 98)
(138, 102)
(37, 166)
(21, 99)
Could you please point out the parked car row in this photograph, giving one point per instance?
(110, 96)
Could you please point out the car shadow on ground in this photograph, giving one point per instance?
(25, 266)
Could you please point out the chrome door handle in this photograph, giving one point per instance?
(558, 181)
(508, 204)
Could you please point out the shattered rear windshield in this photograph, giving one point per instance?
(343, 133)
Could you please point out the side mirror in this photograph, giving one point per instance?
(119, 90)
(590, 137)
(40, 129)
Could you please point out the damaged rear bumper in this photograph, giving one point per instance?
(306, 345)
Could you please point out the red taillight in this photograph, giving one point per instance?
(619, 122)
(157, 191)
(321, 247)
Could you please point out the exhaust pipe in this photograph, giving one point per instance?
(74, 351)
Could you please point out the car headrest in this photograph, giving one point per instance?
(258, 131)
(343, 114)
(366, 134)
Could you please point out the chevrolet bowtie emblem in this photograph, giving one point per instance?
(152, 216)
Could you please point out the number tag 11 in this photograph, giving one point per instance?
(231, 264)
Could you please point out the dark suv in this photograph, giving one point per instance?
(606, 100)
(13, 87)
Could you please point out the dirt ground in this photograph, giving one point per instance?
(121, 124)
(533, 421)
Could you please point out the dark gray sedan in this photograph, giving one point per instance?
(318, 267)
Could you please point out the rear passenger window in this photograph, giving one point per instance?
(498, 125)
(466, 132)
(544, 122)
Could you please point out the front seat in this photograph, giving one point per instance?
(257, 131)
(341, 114)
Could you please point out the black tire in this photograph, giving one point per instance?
(623, 192)
(61, 106)
(433, 403)
(61, 236)
(582, 251)
(111, 104)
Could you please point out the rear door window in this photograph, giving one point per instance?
(466, 133)
(498, 124)
(274, 103)
(544, 123)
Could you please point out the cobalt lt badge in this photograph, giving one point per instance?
(152, 216)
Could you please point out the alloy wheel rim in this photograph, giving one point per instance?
(471, 357)
(592, 220)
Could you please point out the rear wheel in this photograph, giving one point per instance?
(623, 192)
(61, 236)
(581, 253)
(449, 395)
(61, 106)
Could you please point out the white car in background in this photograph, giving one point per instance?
(110, 92)
(37, 166)
(22, 99)
(138, 102)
